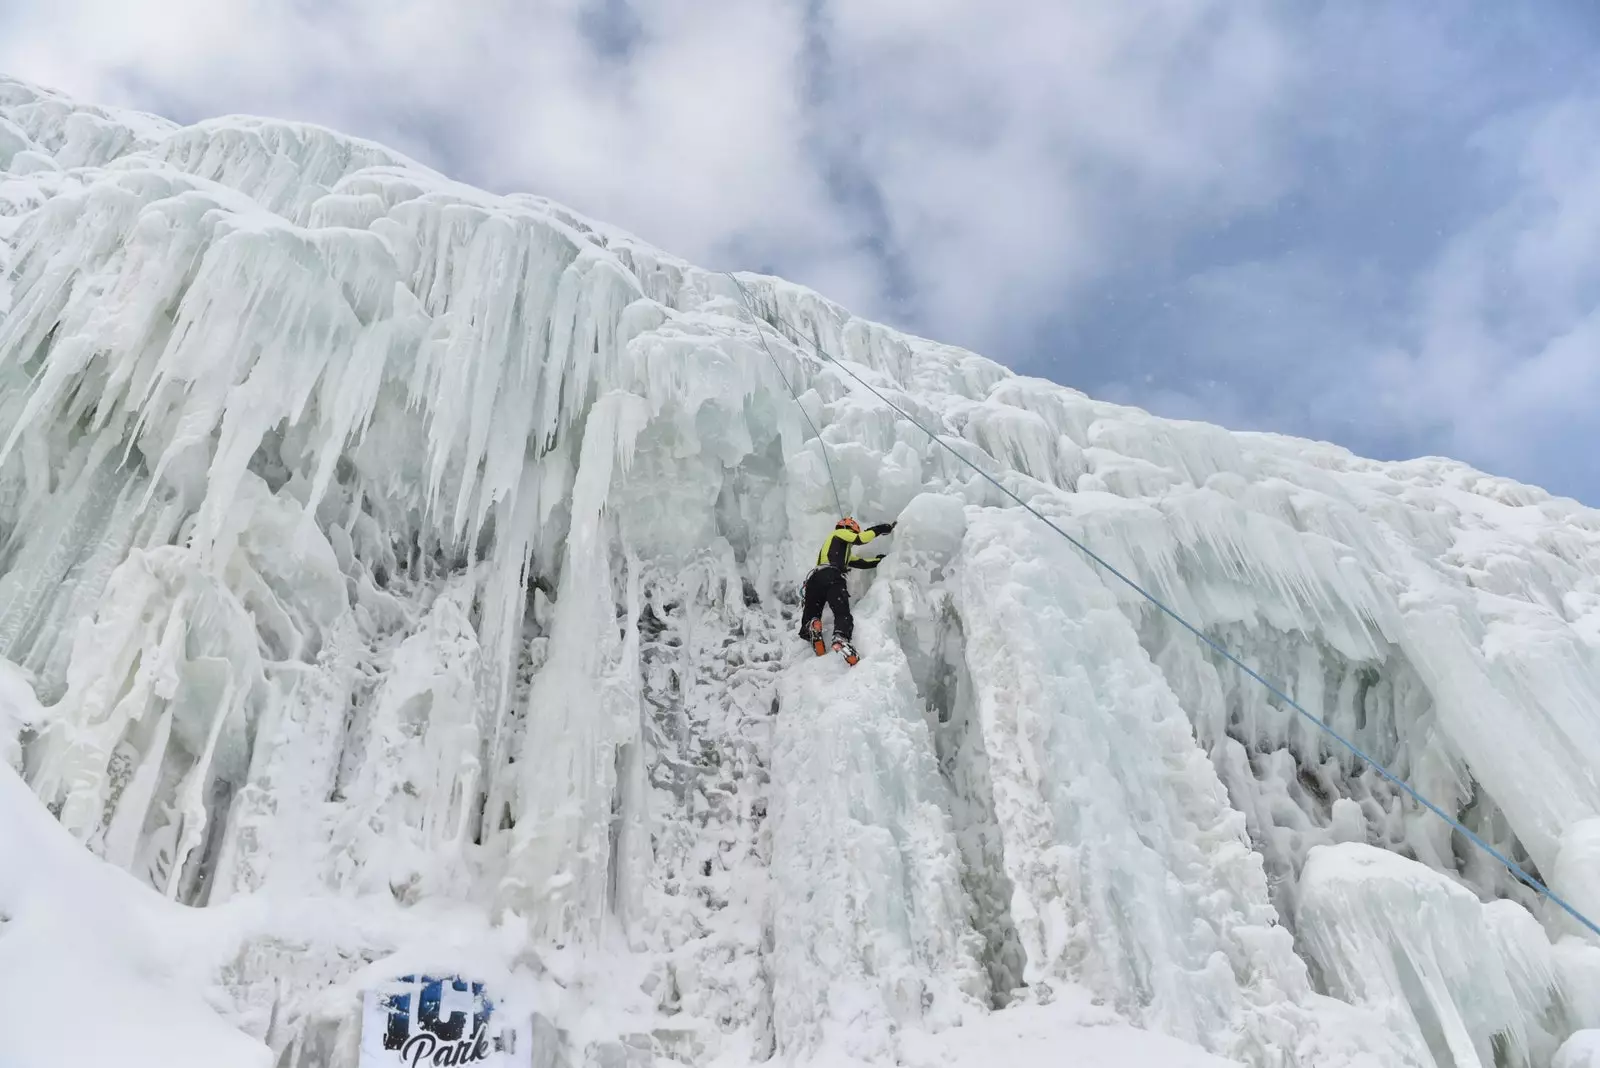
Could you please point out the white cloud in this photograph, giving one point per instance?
(972, 168)
(1021, 147)
(1508, 350)
(1013, 147)
(1490, 352)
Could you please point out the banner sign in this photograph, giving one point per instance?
(423, 1021)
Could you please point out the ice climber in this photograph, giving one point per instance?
(825, 585)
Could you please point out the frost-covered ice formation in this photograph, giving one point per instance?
(398, 576)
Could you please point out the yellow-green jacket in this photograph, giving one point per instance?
(839, 550)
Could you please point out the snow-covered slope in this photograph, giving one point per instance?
(394, 576)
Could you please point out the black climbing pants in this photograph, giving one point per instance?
(826, 586)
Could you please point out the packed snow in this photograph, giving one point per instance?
(396, 576)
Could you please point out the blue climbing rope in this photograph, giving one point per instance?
(823, 445)
(1511, 865)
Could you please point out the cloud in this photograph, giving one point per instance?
(1019, 148)
(685, 122)
(948, 164)
(1507, 349)
(1487, 350)
(1352, 220)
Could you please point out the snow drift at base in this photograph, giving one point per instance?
(394, 577)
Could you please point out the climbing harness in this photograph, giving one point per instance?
(1510, 865)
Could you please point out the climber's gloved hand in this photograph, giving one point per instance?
(882, 528)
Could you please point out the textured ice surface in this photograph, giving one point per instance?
(397, 576)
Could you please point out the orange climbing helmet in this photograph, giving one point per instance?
(848, 524)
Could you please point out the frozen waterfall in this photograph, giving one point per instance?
(398, 576)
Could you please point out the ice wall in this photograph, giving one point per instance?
(375, 547)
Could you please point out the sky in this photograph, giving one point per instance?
(1367, 222)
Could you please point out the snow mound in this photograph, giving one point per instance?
(1454, 976)
(1070, 1029)
(1582, 1050)
(396, 576)
(94, 967)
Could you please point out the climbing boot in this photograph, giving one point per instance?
(846, 650)
(814, 631)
